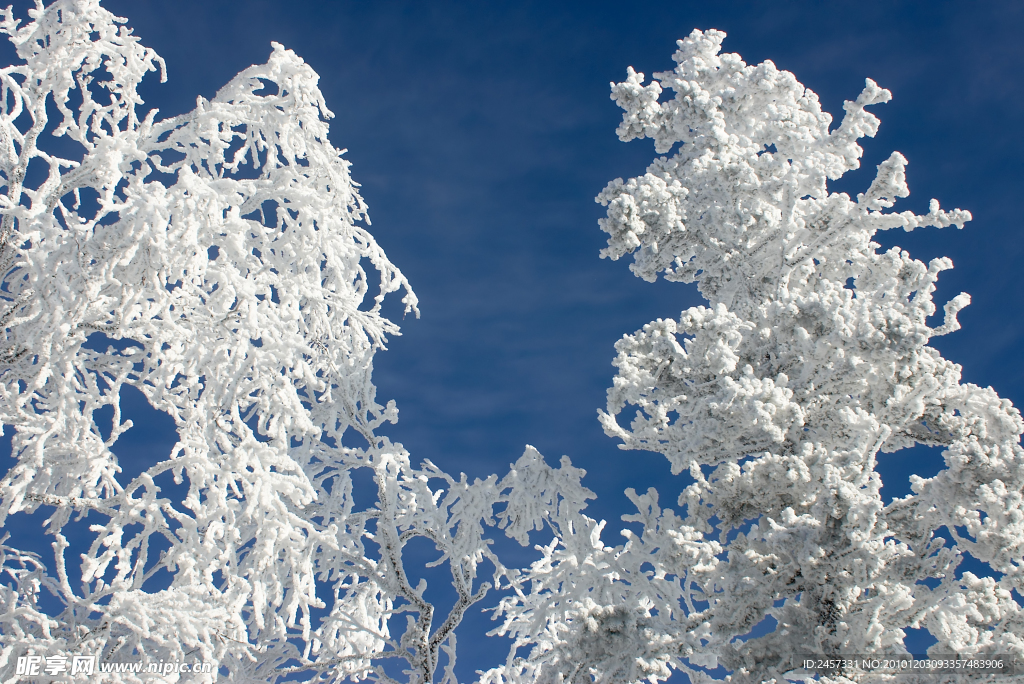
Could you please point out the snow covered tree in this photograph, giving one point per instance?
(810, 364)
(213, 261)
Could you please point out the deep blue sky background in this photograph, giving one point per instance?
(481, 133)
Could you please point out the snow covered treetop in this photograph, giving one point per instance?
(745, 197)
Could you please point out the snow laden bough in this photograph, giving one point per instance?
(215, 263)
(778, 399)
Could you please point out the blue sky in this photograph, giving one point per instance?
(481, 132)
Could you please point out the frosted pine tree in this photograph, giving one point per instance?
(216, 262)
(810, 365)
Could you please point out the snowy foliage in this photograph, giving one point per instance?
(217, 264)
(810, 364)
(214, 262)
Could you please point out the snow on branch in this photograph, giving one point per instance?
(219, 263)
